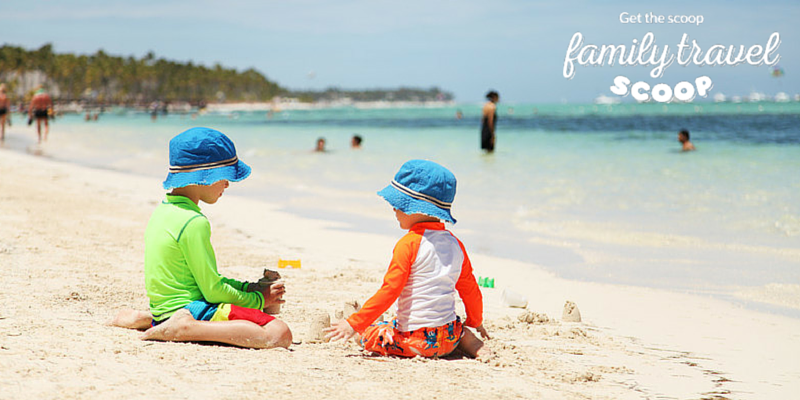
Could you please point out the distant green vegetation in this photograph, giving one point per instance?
(401, 94)
(102, 78)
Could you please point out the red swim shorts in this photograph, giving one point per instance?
(204, 311)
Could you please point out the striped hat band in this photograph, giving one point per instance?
(199, 167)
(421, 196)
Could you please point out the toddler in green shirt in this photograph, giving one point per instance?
(189, 299)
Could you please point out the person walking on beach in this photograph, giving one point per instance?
(429, 266)
(40, 109)
(5, 112)
(189, 300)
(683, 137)
(489, 122)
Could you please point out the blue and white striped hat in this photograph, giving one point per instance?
(202, 156)
(422, 187)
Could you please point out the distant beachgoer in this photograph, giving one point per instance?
(459, 114)
(5, 115)
(355, 142)
(320, 145)
(489, 122)
(154, 111)
(87, 117)
(40, 109)
(683, 137)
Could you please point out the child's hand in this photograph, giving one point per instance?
(340, 329)
(483, 332)
(273, 294)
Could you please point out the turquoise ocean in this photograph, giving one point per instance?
(589, 192)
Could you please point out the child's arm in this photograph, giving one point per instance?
(196, 245)
(404, 255)
(470, 293)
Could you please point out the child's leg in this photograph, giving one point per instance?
(472, 346)
(132, 319)
(182, 327)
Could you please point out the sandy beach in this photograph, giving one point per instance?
(71, 254)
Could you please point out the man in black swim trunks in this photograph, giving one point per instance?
(41, 104)
(489, 121)
(5, 104)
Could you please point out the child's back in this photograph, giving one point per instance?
(428, 298)
(429, 266)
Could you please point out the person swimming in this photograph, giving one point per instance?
(683, 137)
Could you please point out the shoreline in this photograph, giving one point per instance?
(773, 297)
(658, 342)
(586, 107)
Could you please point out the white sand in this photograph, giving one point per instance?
(71, 254)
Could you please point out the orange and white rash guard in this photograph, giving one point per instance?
(428, 266)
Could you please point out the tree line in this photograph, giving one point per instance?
(401, 94)
(124, 80)
(103, 78)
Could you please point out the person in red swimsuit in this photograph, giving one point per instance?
(40, 109)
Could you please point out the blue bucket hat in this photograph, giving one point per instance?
(202, 156)
(422, 187)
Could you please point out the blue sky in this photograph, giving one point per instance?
(467, 47)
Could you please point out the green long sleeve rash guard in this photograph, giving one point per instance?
(179, 263)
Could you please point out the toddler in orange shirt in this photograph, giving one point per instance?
(429, 266)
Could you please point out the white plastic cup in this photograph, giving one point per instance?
(511, 298)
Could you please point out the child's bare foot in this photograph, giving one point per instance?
(132, 319)
(474, 347)
(170, 330)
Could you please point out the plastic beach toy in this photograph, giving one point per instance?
(513, 299)
(288, 263)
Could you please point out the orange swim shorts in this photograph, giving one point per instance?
(385, 339)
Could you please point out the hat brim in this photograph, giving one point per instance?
(410, 205)
(232, 173)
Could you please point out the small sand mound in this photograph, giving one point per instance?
(315, 334)
(571, 312)
(348, 309)
(531, 317)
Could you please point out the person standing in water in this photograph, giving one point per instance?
(355, 142)
(683, 138)
(489, 122)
